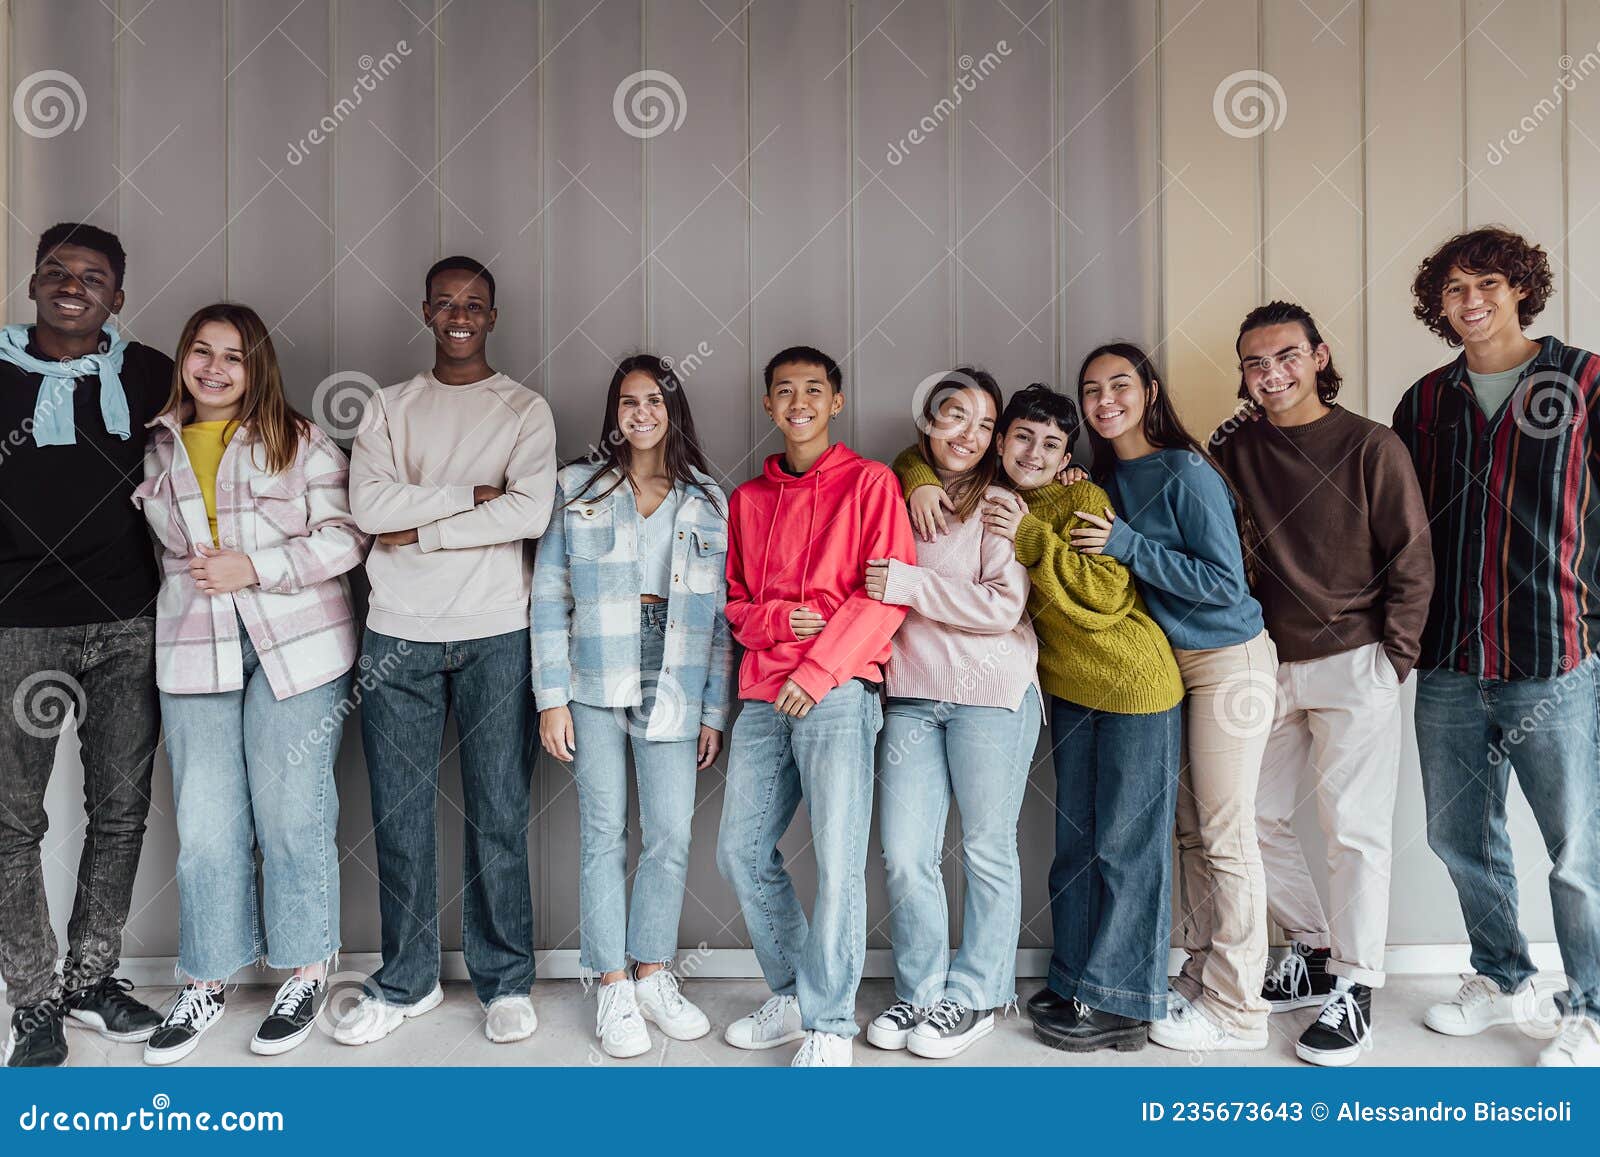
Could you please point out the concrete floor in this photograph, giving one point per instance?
(453, 1035)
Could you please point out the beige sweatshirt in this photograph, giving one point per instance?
(421, 449)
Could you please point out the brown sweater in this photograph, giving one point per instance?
(1345, 557)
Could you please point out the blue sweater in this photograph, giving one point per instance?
(1175, 531)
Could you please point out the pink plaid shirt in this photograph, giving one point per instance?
(296, 528)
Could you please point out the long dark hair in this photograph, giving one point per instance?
(1165, 431)
(966, 490)
(683, 456)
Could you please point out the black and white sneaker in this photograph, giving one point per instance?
(1300, 980)
(1341, 1031)
(196, 1009)
(289, 1022)
(38, 1038)
(109, 1008)
(949, 1029)
(890, 1028)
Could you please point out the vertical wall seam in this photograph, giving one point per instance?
(750, 241)
(1161, 188)
(438, 137)
(1466, 117)
(1366, 210)
(227, 151)
(1566, 193)
(957, 202)
(850, 231)
(117, 68)
(1058, 262)
(333, 192)
(541, 765)
(646, 302)
(1261, 165)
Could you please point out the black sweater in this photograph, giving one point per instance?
(73, 548)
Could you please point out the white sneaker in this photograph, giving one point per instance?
(510, 1018)
(891, 1028)
(1578, 1046)
(617, 1021)
(823, 1050)
(1188, 1029)
(777, 1022)
(661, 1000)
(1478, 1004)
(374, 1018)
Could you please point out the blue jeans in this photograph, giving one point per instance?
(250, 770)
(611, 930)
(1111, 879)
(1471, 733)
(981, 755)
(486, 682)
(775, 760)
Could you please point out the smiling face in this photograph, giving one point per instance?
(75, 290)
(213, 372)
(961, 431)
(1032, 452)
(1481, 307)
(641, 411)
(1113, 397)
(459, 313)
(801, 402)
(1280, 367)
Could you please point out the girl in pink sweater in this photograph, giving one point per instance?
(963, 719)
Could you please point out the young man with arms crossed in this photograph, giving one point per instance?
(454, 471)
(800, 538)
(1344, 574)
(77, 624)
(1505, 446)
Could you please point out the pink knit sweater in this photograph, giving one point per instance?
(967, 638)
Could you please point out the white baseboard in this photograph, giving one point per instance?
(740, 963)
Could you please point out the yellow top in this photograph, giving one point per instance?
(1098, 645)
(205, 442)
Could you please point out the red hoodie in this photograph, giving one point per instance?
(805, 541)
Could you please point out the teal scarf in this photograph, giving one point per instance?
(52, 410)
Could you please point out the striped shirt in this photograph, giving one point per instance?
(1514, 514)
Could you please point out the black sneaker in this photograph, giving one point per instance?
(109, 1008)
(293, 1011)
(1048, 1001)
(1083, 1029)
(38, 1037)
(1341, 1030)
(890, 1028)
(950, 1029)
(1300, 980)
(196, 1009)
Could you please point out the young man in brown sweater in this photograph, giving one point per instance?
(1344, 576)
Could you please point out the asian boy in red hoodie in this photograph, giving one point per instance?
(800, 536)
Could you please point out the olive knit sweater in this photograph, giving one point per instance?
(1098, 645)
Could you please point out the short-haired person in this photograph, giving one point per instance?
(453, 471)
(1504, 442)
(77, 623)
(801, 537)
(1343, 575)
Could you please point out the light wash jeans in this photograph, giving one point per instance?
(1471, 734)
(250, 770)
(826, 758)
(666, 776)
(981, 755)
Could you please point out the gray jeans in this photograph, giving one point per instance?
(105, 674)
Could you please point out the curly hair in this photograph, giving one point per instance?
(1489, 250)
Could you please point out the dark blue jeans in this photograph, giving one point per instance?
(487, 683)
(1111, 879)
(1471, 734)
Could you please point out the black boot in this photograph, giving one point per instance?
(1083, 1029)
(1047, 1001)
(38, 1037)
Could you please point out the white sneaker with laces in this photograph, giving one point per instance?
(1478, 1004)
(777, 1022)
(662, 1002)
(1188, 1029)
(1578, 1046)
(617, 1021)
(823, 1050)
(510, 1019)
(374, 1018)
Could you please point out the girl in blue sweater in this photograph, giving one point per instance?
(1184, 532)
